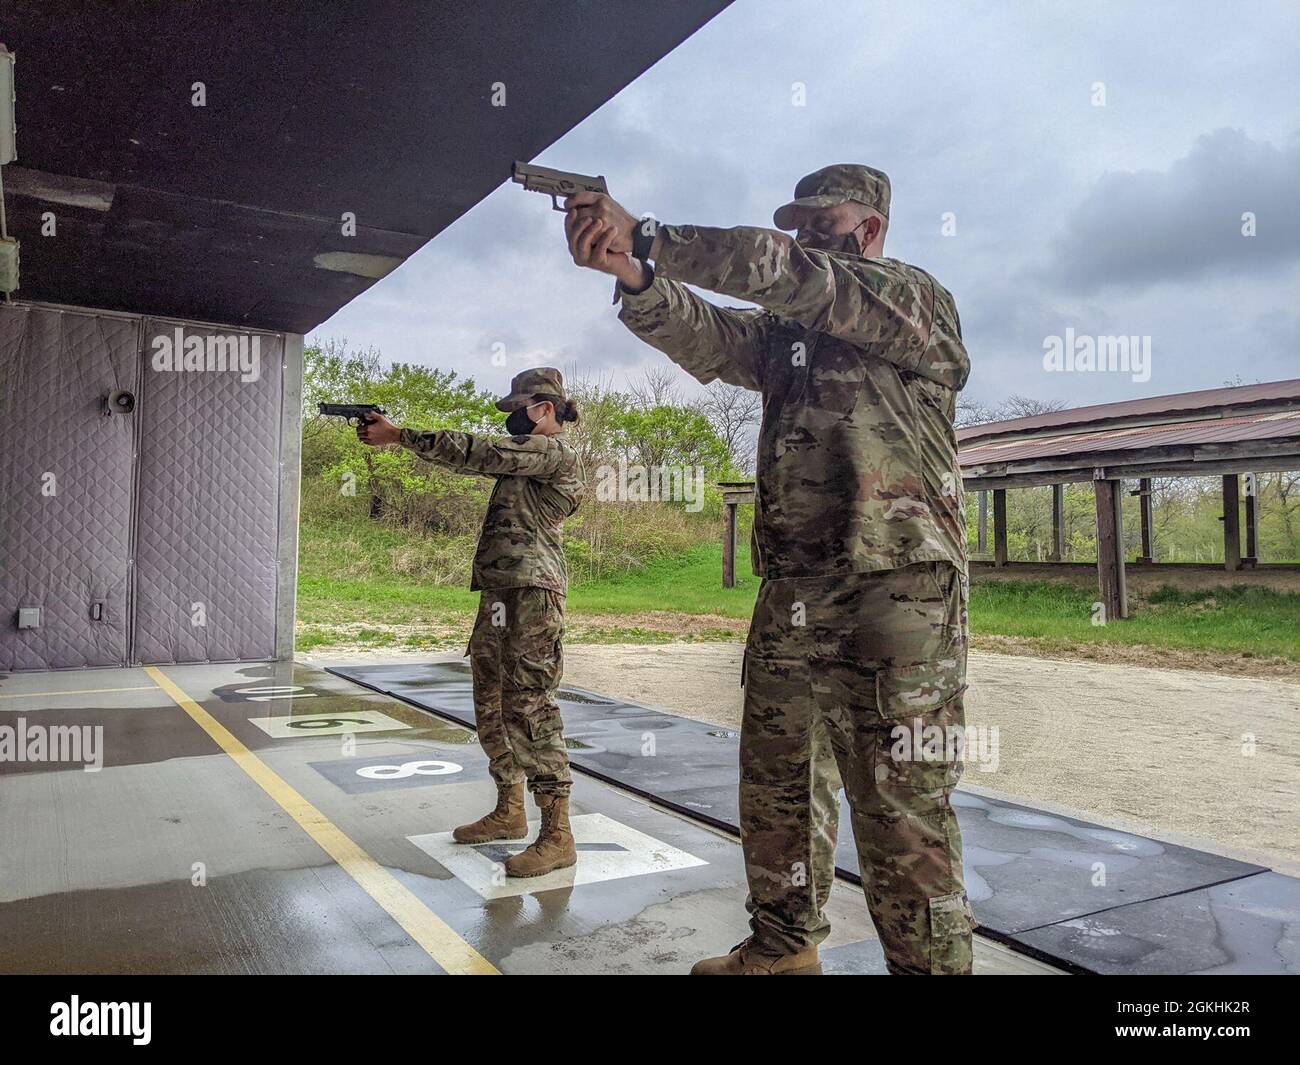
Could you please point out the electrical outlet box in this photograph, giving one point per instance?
(29, 617)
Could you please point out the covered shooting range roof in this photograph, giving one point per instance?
(1218, 430)
(232, 212)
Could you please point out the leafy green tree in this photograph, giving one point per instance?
(393, 480)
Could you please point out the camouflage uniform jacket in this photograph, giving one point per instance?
(539, 484)
(859, 362)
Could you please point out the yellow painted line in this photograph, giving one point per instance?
(437, 938)
(80, 691)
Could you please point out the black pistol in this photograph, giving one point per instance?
(359, 411)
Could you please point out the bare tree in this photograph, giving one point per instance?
(597, 406)
(733, 412)
(973, 412)
(657, 388)
(1018, 406)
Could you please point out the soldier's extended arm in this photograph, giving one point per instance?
(710, 343)
(529, 456)
(864, 301)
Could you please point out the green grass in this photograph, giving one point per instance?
(352, 574)
(325, 601)
(689, 584)
(1237, 620)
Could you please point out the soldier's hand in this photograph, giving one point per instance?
(378, 431)
(599, 233)
(604, 209)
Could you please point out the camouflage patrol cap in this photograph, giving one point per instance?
(836, 184)
(526, 386)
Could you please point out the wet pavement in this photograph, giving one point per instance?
(277, 819)
(1087, 896)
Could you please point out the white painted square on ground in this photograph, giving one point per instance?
(607, 850)
(282, 728)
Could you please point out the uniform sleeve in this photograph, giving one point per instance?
(708, 342)
(863, 301)
(512, 456)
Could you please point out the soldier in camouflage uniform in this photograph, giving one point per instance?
(515, 650)
(858, 637)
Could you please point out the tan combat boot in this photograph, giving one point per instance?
(507, 821)
(746, 960)
(554, 847)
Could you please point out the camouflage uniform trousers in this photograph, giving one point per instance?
(517, 660)
(832, 666)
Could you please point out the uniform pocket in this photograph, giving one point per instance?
(543, 722)
(950, 585)
(921, 690)
(951, 924)
(537, 667)
(483, 639)
(836, 377)
(922, 708)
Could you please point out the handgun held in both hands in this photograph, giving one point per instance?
(555, 183)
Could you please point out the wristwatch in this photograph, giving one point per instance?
(643, 237)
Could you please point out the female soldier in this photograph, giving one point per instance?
(519, 566)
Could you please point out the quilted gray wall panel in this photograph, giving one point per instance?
(208, 499)
(65, 485)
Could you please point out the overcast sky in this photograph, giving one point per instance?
(1117, 219)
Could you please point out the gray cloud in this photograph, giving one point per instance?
(1138, 228)
(983, 111)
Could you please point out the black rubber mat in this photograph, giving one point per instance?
(1025, 869)
(1246, 926)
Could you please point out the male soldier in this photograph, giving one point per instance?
(858, 640)
(515, 651)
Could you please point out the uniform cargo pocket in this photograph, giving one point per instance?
(543, 723)
(836, 377)
(924, 744)
(921, 690)
(951, 924)
(538, 668)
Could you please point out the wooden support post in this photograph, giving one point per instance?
(982, 538)
(999, 526)
(729, 547)
(1110, 547)
(1252, 535)
(734, 494)
(1231, 523)
(1144, 505)
(1058, 523)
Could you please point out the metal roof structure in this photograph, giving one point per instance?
(1150, 410)
(232, 211)
(1215, 431)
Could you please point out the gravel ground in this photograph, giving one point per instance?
(1163, 752)
(1208, 760)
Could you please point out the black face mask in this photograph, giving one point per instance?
(519, 424)
(841, 242)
